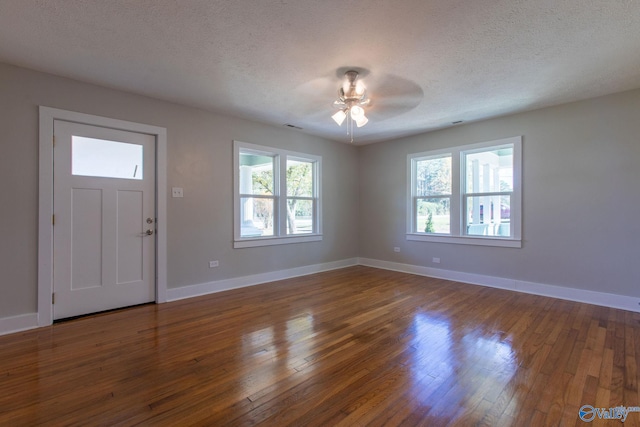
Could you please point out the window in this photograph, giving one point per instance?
(107, 159)
(468, 195)
(276, 196)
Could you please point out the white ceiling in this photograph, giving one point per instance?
(426, 63)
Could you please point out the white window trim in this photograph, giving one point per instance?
(280, 218)
(458, 180)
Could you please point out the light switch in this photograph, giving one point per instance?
(176, 192)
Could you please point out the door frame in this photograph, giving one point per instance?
(45, 200)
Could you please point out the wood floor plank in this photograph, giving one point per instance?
(355, 346)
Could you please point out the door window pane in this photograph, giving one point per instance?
(107, 159)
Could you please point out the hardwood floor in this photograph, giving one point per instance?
(357, 346)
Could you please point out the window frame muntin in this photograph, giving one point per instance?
(430, 155)
(480, 148)
(280, 170)
(458, 187)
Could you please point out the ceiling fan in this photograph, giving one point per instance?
(363, 97)
(352, 96)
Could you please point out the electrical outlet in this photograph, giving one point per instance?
(435, 260)
(213, 264)
(396, 249)
(177, 192)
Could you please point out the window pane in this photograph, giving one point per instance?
(490, 171)
(107, 159)
(433, 176)
(299, 216)
(433, 215)
(256, 173)
(489, 216)
(256, 216)
(299, 178)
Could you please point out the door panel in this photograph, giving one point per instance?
(86, 229)
(129, 248)
(104, 191)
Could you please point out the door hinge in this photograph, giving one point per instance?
(53, 220)
(54, 140)
(53, 298)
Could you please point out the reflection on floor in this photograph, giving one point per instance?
(356, 346)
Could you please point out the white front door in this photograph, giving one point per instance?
(104, 219)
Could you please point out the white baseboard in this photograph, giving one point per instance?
(572, 294)
(256, 279)
(30, 320)
(18, 323)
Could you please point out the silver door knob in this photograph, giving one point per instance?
(149, 232)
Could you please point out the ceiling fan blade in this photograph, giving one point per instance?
(391, 96)
(315, 96)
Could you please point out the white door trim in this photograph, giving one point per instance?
(45, 200)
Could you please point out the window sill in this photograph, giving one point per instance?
(269, 241)
(467, 240)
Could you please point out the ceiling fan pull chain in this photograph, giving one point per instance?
(352, 130)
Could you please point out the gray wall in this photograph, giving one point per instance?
(581, 197)
(200, 225)
(581, 202)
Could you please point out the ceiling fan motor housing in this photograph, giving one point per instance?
(352, 92)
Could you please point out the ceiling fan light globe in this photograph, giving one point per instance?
(339, 117)
(356, 112)
(360, 88)
(362, 121)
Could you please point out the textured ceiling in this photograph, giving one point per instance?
(426, 63)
